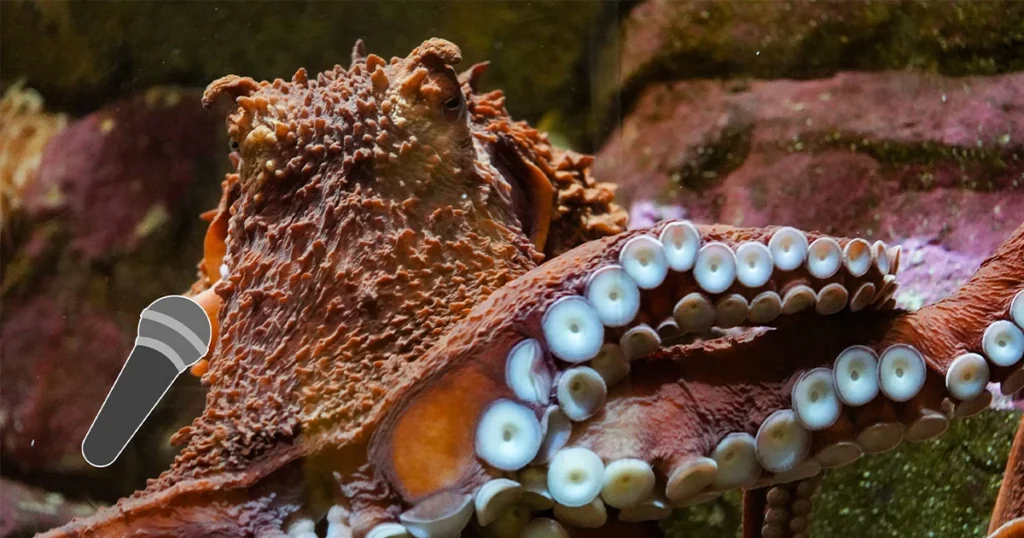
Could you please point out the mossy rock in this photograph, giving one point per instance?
(663, 41)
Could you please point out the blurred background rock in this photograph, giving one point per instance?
(79, 54)
(897, 120)
(100, 218)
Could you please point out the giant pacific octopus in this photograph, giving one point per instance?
(433, 322)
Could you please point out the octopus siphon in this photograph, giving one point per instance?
(429, 321)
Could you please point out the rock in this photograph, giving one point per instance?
(666, 40)
(93, 52)
(644, 214)
(112, 197)
(60, 356)
(880, 155)
(26, 510)
(120, 173)
(929, 273)
(58, 361)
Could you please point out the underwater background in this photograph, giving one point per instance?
(901, 121)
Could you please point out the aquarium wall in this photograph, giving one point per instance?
(381, 230)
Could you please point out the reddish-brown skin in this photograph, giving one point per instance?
(515, 313)
(1010, 502)
(713, 379)
(683, 400)
(381, 252)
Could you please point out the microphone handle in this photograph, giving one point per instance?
(145, 377)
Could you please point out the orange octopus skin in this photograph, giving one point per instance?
(369, 309)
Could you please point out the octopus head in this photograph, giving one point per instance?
(415, 135)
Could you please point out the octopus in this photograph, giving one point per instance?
(431, 322)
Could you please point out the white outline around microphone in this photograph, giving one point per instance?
(177, 362)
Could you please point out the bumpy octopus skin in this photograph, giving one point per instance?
(391, 355)
(371, 209)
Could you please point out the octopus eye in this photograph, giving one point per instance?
(233, 145)
(454, 107)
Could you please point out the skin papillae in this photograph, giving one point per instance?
(389, 236)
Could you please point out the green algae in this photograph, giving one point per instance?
(978, 164)
(981, 166)
(807, 39)
(944, 488)
(717, 518)
(941, 488)
(714, 161)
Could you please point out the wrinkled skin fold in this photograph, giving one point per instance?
(390, 237)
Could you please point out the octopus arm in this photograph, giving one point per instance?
(203, 508)
(661, 367)
(1008, 512)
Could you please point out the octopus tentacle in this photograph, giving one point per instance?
(566, 308)
(228, 513)
(662, 424)
(1010, 501)
(781, 511)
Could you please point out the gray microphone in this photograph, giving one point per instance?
(174, 333)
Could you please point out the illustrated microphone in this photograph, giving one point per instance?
(174, 333)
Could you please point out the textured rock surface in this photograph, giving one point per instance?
(929, 272)
(53, 355)
(887, 155)
(666, 40)
(118, 174)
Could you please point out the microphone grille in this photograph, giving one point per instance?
(185, 311)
